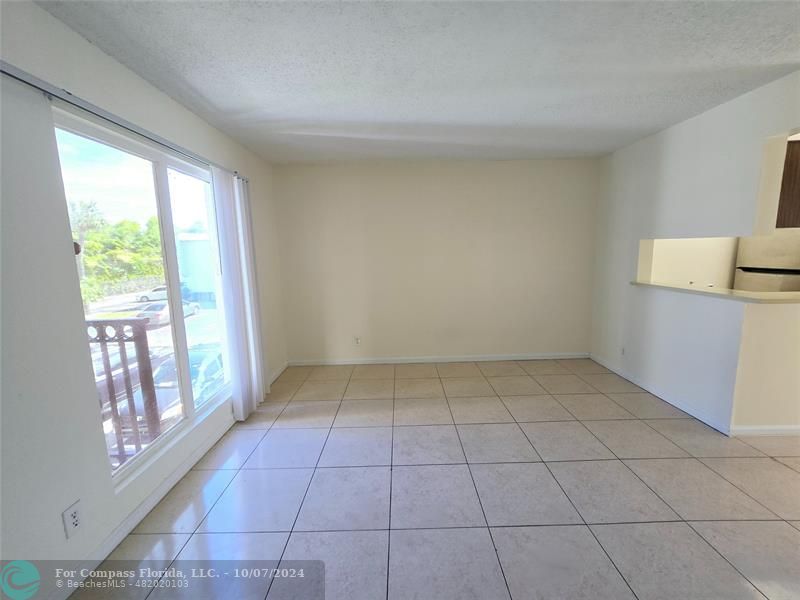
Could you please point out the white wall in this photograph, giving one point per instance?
(437, 259)
(699, 178)
(52, 448)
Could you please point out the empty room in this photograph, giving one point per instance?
(360, 300)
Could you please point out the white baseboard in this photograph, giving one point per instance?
(765, 430)
(600, 360)
(727, 429)
(272, 377)
(277, 372)
(435, 359)
(708, 420)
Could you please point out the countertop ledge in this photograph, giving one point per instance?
(737, 295)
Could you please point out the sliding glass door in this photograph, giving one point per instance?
(196, 241)
(147, 256)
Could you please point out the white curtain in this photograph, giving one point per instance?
(240, 292)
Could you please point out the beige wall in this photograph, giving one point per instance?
(437, 259)
(699, 262)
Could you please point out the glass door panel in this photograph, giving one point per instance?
(114, 217)
(196, 243)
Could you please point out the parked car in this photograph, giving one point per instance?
(205, 370)
(158, 312)
(168, 402)
(190, 309)
(207, 374)
(157, 293)
(160, 293)
(157, 356)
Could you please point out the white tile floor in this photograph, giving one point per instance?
(529, 479)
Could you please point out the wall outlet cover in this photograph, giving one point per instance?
(73, 519)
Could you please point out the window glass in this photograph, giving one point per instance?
(196, 242)
(113, 212)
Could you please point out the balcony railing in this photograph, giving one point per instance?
(124, 378)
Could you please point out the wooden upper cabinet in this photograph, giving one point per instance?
(789, 203)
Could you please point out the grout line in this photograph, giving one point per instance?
(699, 459)
(474, 462)
(779, 461)
(391, 479)
(751, 445)
(636, 475)
(580, 515)
(529, 526)
(682, 519)
(713, 470)
(583, 520)
(506, 422)
(480, 502)
(238, 470)
(310, 481)
(735, 568)
(576, 508)
(447, 399)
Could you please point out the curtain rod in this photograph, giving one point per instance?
(70, 98)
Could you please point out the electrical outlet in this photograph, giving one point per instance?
(357, 341)
(73, 519)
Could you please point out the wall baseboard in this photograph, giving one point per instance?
(729, 430)
(434, 359)
(765, 430)
(721, 427)
(277, 373)
(605, 362)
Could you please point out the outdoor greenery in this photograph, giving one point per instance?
(116, 257)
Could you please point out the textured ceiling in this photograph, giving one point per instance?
(338, 80)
